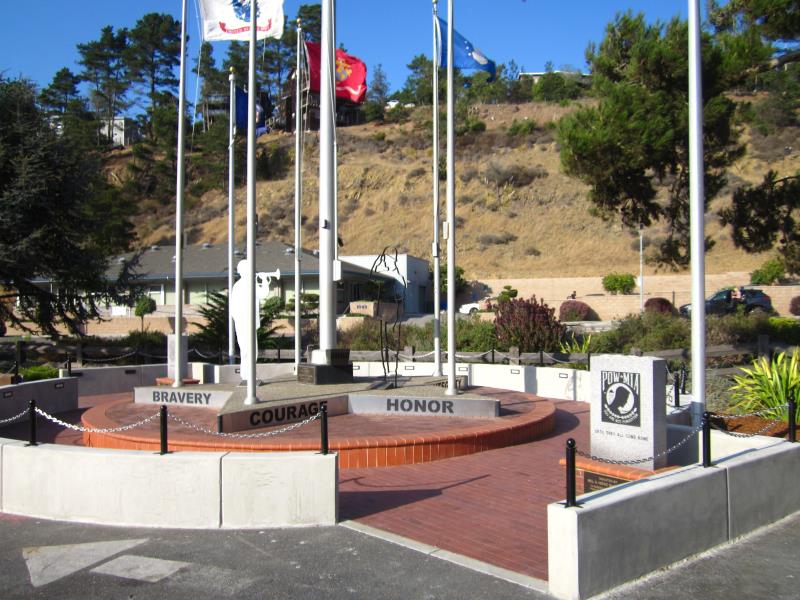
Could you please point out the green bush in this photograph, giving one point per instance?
(524, 127)
(768, 385)
(769, 273)
(736, 328)
(619, 283)
(784, 329)
(38, 372)
(373, 111)
(648, 332)
(507, 293)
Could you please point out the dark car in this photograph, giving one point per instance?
(725, 302)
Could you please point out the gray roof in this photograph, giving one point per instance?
(210, 261)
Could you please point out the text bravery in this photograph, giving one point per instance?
(181, 398)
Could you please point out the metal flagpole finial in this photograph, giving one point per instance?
(299, 23)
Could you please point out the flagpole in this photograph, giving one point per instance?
(696, 212)
(451, 213)
(231, 221)
(437, 299)
(179, 191)
(298, 194)
(252, 308)
(327, 313)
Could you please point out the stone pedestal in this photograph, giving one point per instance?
(184, 358)
(326, 367)
(628, 409)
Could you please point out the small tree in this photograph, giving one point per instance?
(144, 306)
(507, 294)
(531, 325)
(769, 273)
(619, 283)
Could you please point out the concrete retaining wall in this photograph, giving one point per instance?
(183, 489)
(625, 532)
(51, 395)
(115, 380)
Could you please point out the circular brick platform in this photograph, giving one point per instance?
(360, 440)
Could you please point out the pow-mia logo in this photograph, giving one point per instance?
(621, 394)
(242, 9)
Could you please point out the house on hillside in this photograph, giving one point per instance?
(205, 270)
(121, 131)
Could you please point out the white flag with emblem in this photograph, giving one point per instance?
(230, 19)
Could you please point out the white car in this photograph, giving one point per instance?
(472, 307)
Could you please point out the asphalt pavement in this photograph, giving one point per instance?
(48, 559)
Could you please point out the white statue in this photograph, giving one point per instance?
(242, 320)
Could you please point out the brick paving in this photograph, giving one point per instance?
(490, 506)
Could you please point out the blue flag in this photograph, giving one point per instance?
(241, 114)
(465, 55)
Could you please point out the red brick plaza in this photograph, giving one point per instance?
(489, 504)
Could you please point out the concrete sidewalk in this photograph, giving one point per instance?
(47, 559)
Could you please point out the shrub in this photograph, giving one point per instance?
(38, 372)
(769, 273)
(768, 385)
(784, 329)
(531, 325)
(659, 305)
(144, 306)
(373, 111)
(507, 293)
(524, 127)
(648, 332)
(736, 328)
(794, 306)
(490, 239)
(575, 310)
(619, 283)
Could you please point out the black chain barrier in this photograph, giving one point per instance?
(705, 427)
(163, 415)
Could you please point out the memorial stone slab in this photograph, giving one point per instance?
(628, 409)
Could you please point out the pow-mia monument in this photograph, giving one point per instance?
(628, 409)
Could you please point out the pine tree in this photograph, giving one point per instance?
(59, 218)
(151, 55)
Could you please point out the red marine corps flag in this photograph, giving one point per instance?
(351, 74)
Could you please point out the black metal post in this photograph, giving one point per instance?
(571, 473)
(323, 429)
(541, 358)
(683, 378)
(17, 360)
(676, 389)
(163, 424)
(32, 423)
(706, 439)
(69, 365)
(792, 420)
(588, 361)
(492, 354)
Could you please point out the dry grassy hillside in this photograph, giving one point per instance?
(519, 215)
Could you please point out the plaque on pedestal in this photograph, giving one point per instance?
(324, 374)
(628, 413)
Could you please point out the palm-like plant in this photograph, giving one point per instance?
(768, 385)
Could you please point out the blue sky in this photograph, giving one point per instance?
(40, 37)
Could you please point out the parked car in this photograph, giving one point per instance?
(726, 302)
(472, 307)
